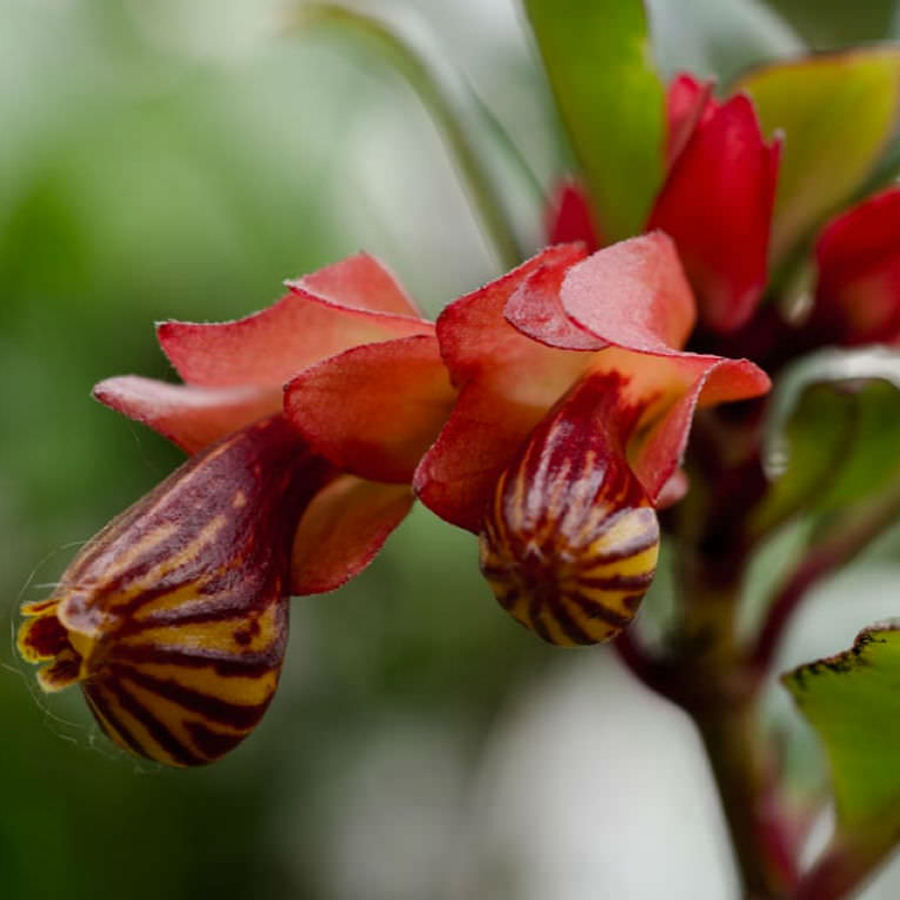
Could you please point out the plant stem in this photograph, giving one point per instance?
(761, 844)
(844, 866)
(446, 98)
(850, 536)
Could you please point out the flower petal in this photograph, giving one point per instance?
(456, 476)
(632, 294)
(191, 417)
(717, 205)
(267, 348)
(342, 529)
(478, 343)
(375, 409)
(858, 257)
(668, 389)
(570, 217)
(689, 103)
(535, 309)
(361, 281)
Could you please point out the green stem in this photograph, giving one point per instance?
(446, 99)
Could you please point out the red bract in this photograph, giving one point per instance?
(174, 617)
(235, 372)
(857, 298)
(716, 202)
(596, 339)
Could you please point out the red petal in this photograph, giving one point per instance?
(535, 309)
(570, 218)
(457, 475)
(191, 417)
(633, 294)
(360, 281)
(689, 103)
(477, 342)
(303, 327)
(342, 530)
(717, 205)
(858, 255)
(668, 389)
(375, 409)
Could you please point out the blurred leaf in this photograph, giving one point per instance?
(804, 450)
(718, 38)
(831, 366)
(853, 702)
(829, 24)
(831, 434)
(457, 113)
(598, 61)
(837, 112)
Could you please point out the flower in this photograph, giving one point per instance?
(575, 403)
(716, 201)
(174, 617)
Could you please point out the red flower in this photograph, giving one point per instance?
(174, 617)
(857, 296)
(715, 203)
(574, 410)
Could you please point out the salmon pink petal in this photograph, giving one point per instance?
(858, 257)
(479, 344)
(689, 102)
(375, 409)
(632, 294)
(535, 309)
(668, 389)
(190, 417)
(457, 475)
(717, 205)
(361, 281)
(353, 302)
(342, 530)
(570, 218)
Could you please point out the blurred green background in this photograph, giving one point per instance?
(179, 159)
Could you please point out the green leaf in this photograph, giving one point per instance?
(610, 99)
(482, 152)
(718, 38)
(837, 112)
(853, 702)
(831, 433)
(831, 366)
(805, 447)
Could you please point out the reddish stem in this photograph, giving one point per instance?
(850, 537)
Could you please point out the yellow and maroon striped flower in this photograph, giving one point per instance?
(173, 619)
(573, 415)
(570, 540)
